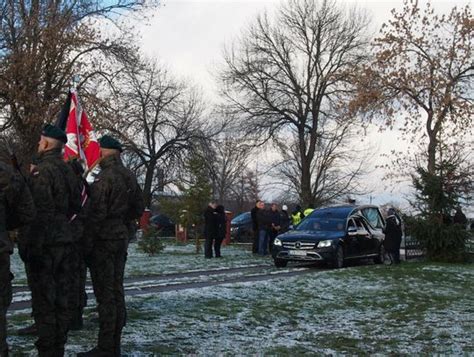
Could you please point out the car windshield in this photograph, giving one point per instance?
(241, 218)
(322, 224)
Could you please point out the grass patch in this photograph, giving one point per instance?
(410, 309)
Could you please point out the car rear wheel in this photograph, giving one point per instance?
(338, 258)
(379, 259)
(279, 263)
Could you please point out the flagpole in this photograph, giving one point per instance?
(75, 81)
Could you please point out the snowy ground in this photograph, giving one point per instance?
(408, 309)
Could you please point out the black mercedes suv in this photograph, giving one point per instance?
(333, 235)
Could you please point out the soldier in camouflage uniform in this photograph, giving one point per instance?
(77, 293)
(115, 200)
(48, 242)
(16, 209)
(29, 330)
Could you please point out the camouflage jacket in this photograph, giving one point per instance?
(16, 205)
(57, 197)
(115, 200)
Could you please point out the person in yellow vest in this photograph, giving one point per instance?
(308, 210)
(296, 216)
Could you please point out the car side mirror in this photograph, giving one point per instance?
(352, 231)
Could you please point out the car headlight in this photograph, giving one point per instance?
(324, 243)
(277, 242)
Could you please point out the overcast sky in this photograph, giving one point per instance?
(188, 36)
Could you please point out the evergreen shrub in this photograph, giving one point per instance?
(151, 242)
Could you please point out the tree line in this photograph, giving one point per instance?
(304, 81)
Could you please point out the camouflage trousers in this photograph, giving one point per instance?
(107, 271)
(5, 300)
(77, 298)
(50, 286)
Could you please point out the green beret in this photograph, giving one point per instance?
(108, 142)
(51, 131)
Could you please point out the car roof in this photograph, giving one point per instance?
(342, 211)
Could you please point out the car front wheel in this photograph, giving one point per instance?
(280, 263)
(338, 258)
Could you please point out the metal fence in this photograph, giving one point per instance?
(470, 243)
(412, 248)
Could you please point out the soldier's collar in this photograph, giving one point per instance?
(110, 161)
(56, 152)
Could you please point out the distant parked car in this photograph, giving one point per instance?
(163, 224)
(241, 228)
(333, 235)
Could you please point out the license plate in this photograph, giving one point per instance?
(299, 253)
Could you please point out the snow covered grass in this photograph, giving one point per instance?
(414, 308)
(175, 258)
(180, 258)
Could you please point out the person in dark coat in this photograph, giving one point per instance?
(115, 199)
(393, 236)
(221, 229)
(16, 209)
(253, 214)
(47, 245)
(285, 219)
(264, 228)
(275, 220)
(210, 228)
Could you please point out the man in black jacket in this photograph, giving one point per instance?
(221, 230)
(264, 227)
(393, 236)
(210, 228)
(275, 219)
(253, 214)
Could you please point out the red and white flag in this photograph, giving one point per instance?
(81, 139)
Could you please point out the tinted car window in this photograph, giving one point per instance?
(241, 218)
(373, 217)
(321, 224)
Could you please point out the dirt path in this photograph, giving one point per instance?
(157, 283)
(171, 276)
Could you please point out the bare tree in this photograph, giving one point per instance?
(336, 168)
(245, 190)
(287, 76)
(422, 76)
(226, 160)
(160, 119)
(43, 44)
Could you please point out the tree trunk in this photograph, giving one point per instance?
(147, 196)
(432, 154)
(306, 195)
